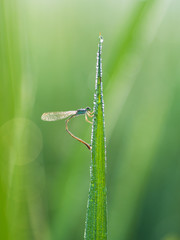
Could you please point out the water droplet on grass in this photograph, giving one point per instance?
(101, 39)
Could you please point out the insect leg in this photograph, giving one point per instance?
(87, 119)
(90, 114)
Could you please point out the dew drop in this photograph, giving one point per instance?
(101, 39)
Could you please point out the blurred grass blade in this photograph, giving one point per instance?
(126, 40)
(96, 219)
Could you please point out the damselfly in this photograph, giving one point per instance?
(54, 116)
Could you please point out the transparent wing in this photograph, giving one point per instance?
(54, 116)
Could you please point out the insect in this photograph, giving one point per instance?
(54, 116)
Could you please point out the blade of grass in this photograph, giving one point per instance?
(96, 219)
(128, 56)
(126, 40)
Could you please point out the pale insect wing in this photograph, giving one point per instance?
(54, 116)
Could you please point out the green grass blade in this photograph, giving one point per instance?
(96, 219)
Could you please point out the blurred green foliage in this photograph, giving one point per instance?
(47, 63)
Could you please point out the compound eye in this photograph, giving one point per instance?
(88, 109)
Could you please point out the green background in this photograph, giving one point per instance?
(48, 63)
